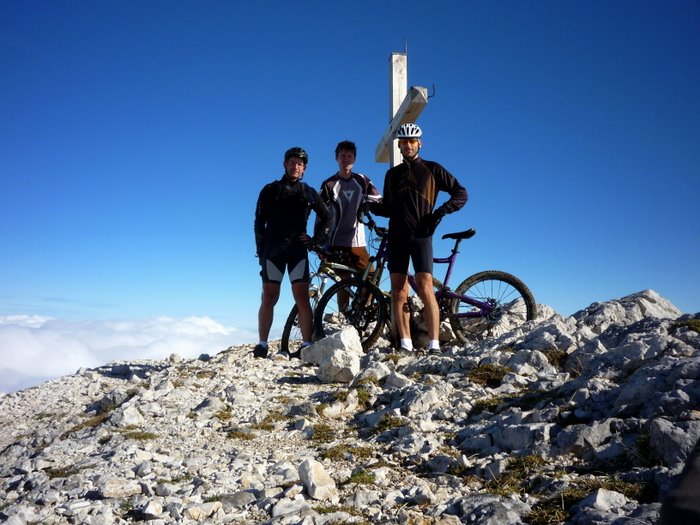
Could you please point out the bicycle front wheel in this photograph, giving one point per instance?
(509, 304)
(352, 302)
(291, 334)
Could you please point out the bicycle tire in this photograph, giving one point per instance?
(368, 319)
(513, 304)
(291, 334)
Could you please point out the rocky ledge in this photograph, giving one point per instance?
(584, 419)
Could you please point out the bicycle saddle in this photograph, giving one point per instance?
(468, 234)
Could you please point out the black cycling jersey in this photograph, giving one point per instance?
(282, 213)
(410, 193)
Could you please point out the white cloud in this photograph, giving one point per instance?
(37, 348)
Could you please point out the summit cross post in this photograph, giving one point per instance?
(405, 106)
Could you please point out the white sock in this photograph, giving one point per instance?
(263, 343)
(305, 344)
(434, 344)
(407, 344)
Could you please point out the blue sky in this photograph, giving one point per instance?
(136, 136)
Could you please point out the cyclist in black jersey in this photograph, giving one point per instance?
(281, 241)
(409, 198)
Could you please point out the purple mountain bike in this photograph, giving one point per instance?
(486, 304)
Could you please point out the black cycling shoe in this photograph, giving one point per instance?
(260, 351)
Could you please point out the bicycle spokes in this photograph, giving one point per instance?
(491, 304)
(354, 303)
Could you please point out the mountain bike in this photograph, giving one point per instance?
(329, 264)
(487, 304)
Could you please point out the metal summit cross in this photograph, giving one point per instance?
(405, 107)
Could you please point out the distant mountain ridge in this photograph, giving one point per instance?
(585, 419)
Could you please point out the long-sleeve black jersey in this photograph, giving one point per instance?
(410, 193)
(282, 213)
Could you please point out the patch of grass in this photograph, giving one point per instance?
(546, 515)
(241, 434)
(488, 375)
(486, 404)
(326, 509)
(182, 478)
(205, 374)
(133, 432)
(268, 423)
(320, 408)
(556, 357)
(341, 395)
(61, 472)
(529, 399)
(363, 397)
(367, 380)
(631, 490)
(429, 379)
(47, 415)
(361, 477)
(556, 509)
(323, 433)
(140, 435)
(458, 470)
(693, 324)
(339, 452)
(513, 479)
(90, 422)
(225, 413)
(389, 422)
(526, 463)
(393, 357)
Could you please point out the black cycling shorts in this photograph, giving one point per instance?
(419, 250)
(294, 259)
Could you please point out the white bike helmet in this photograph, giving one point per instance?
(409, 131)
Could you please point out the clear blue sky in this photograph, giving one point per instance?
(135, 137)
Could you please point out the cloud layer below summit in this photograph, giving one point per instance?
(36, 348)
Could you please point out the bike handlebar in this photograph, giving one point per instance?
(319, 249)
(368, 221)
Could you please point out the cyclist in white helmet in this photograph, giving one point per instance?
(409, 200)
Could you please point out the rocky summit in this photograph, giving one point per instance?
(585, 419)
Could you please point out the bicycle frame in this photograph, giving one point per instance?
(444, 292)
(326, 270)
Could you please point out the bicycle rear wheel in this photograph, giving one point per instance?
(511, 304)
(352, 302)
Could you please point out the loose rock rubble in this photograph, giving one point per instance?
(583, 419)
